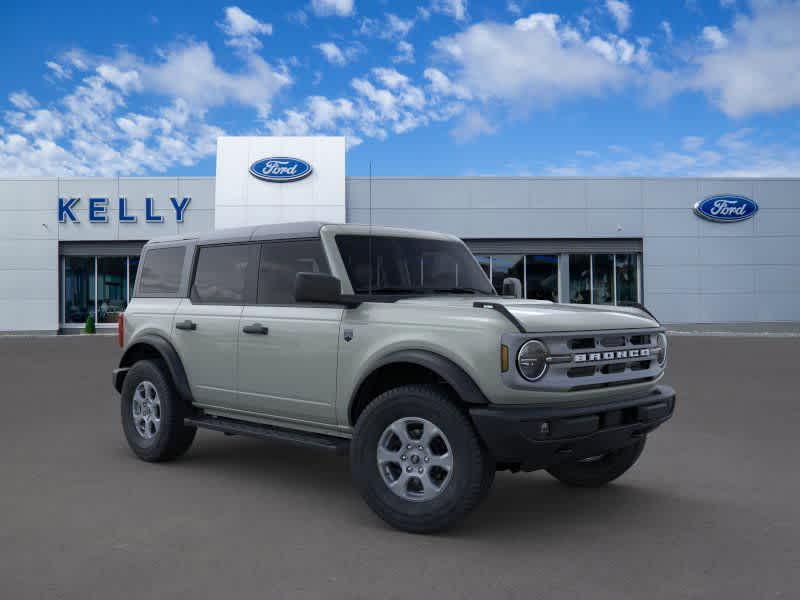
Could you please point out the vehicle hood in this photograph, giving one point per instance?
(544, 317)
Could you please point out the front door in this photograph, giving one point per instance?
(288, 352)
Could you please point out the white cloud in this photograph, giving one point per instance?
(397, 26)
(58, 70)
(537, 60)
(692, 143)
(441, 84)
(514, 8)
(339, 8)
(666, 27)
(727, 3)
(758, 70)
(405, 53)
(453, 8)
(715, 37)
(471, 125)
(336, 55)
(735, 154)
(621, 11)
(22, 100)
(243, 29)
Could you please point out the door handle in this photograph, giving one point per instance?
(256, 328)
(186, 325)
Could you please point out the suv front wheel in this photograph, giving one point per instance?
(152, 414)
(417, 460)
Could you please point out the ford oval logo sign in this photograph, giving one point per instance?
(726, 209)
(280, 169)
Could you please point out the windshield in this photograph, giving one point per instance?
(411, 266)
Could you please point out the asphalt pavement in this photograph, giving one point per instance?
(711, 510)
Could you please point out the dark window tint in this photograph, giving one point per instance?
(410, 266)
(281, 262)
(541, 276)
(221, 274)
(161, 271)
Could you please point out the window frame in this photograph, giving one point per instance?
(250, 278)
(137, 293)
(327, 264)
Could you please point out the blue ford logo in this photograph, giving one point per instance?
(726, 209)
(280, 169)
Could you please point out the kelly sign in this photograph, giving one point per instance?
(99, 208)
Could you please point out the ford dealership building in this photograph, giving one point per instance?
(691, 250)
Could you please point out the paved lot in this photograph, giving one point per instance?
(712, 510)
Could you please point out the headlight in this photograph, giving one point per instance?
(661, 342)
(532, 360)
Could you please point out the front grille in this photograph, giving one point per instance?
(586, 360)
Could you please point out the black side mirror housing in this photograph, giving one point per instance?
(320, 288)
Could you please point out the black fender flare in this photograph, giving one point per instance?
(167, 353)
(450, 372)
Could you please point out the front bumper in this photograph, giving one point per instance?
(533, 438)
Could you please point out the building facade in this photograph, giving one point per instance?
(69, 247)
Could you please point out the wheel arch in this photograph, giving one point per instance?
(155, 347)
(432, 367)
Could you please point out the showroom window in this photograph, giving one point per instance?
(604, 278)
(538, 273)
(100, 286)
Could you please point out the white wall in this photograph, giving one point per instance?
(242, 199)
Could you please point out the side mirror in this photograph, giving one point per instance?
(512, 287)
(319, 287)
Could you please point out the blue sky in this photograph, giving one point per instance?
(437, 87)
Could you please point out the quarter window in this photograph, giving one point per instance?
(221, 274)
(281, 262)
(161, 271)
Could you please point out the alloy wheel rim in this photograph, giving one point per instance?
(415, 459)
(146, 410)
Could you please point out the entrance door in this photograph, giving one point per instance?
(288, 351)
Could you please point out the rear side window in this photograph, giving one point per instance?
(220, 276)
(161, 271)
(281, 262)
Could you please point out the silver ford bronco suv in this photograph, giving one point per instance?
(390, 345)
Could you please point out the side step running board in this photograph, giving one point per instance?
(270, 432)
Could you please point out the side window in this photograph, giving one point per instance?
(281, 262)
(220, 276)
(161, 271)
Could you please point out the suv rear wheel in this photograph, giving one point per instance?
(152, 414)
(417, 460)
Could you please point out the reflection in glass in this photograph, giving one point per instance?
(111, 292)
(506, 266)
(486, 263)
(603, 274)
(579, 279)
(78, 288)
(133, 269)
(627, 280)
(541, 271)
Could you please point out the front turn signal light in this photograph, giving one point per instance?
(503, 358)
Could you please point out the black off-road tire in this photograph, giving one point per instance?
(472, 473)
(173, 438)
(598, 472)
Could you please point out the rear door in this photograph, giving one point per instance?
(288, 351)
(206, 324)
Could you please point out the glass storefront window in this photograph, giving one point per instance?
(627, 280)
(603, 278)
(111, 278)
(541, 277)
(580, 273)
(79, 288)
(112, 295)
(506, 266)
